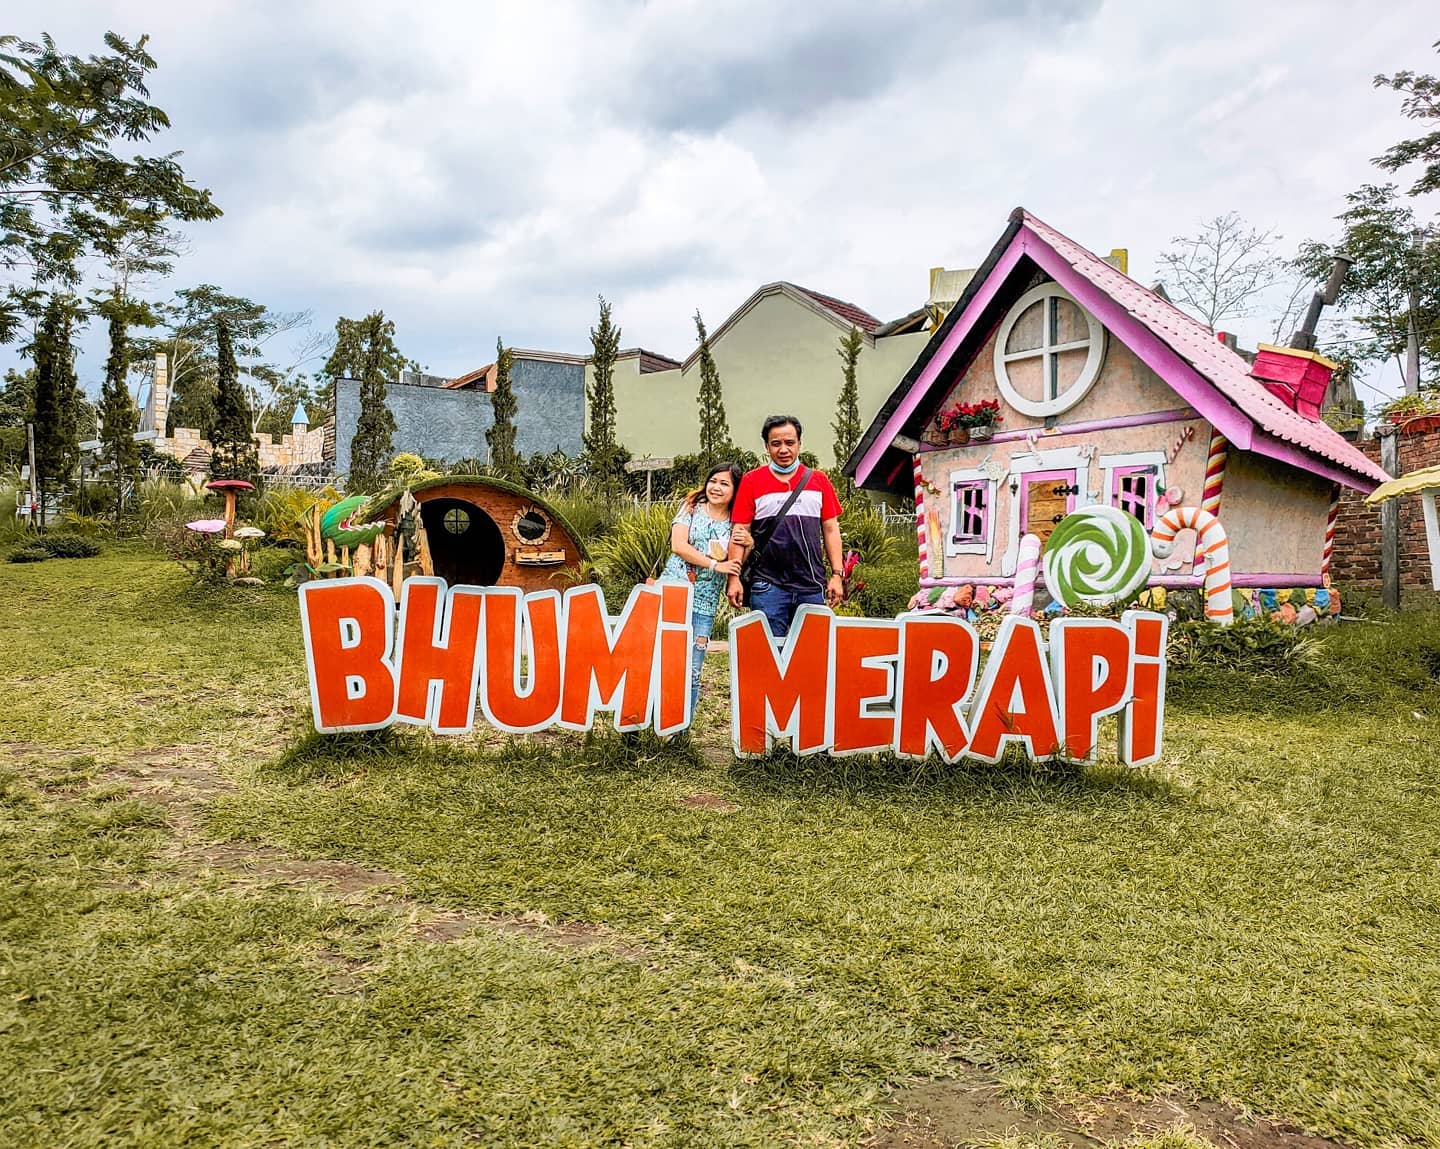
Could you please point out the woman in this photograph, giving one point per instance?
(699, 542)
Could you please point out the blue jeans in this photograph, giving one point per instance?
(701, 624)
(779, 604)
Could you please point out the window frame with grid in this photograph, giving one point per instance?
(1054, 400)
(978, 517)
(1120, 468)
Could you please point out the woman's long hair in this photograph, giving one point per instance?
(697, 496)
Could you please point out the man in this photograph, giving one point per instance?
(790, 564)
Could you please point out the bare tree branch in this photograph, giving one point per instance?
(1218, 273)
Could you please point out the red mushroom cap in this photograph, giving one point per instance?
(229, 485)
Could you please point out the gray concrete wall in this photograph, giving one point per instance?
(451, 425)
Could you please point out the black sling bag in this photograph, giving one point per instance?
(761, 536)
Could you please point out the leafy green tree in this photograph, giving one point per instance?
(190, 322)
(15, 390)
(352, 347)
(1378, 233)
(15, 394)
(372, 445)
(715, 444)
(118, 416)
(54, 399)
(1422, 102)
(64, 194)
(500, 436)
(847, 414)
(600, 442)
(234, 453)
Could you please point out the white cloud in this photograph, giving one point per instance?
(487, 169)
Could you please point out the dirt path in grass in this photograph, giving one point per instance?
(180, 780)
(970, 1109)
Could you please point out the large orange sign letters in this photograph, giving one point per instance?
(462, 646)
(911, 686)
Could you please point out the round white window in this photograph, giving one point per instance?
(1048, 352)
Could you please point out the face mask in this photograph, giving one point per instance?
(779, 470)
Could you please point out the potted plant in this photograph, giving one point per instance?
(1413, 413)
(950, 422)
(981, 418)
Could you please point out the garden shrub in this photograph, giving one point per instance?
(91, 526)
(277, 512)
(862, 530)
(273, 563)
(92, 501)
(63, 545)
(1255, 646)
(884, 591)
(29, 553)
(586, 512)
(161, 500)
(637, 549)
(195, 552)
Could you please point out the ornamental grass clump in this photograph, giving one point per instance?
(60, 545)
(636, 550)
(29, 553)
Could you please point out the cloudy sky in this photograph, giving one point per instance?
(484, 169)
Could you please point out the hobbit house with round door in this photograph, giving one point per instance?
(486, 532)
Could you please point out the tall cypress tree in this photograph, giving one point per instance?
(53, 401)
(600, 441)
(234, 455)
(372, 446)
(118, 416)
(501, 436)
(847, 414)
(714, 426)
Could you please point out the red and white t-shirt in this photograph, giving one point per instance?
(795, 556)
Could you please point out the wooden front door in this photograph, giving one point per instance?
(1049, 497)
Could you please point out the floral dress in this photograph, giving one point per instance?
(703, 532)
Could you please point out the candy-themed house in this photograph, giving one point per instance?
(1106, 393)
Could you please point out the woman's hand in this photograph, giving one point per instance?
(728, 567)
(740, 535)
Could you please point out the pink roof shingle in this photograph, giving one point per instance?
(1198, 346)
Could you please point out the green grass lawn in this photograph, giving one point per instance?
(1256, 921)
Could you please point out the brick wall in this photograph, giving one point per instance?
(1357, 530)
(292, 450)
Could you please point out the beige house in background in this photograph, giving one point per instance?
(776, 354)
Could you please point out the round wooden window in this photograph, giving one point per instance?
(531, 526)
(457, 522)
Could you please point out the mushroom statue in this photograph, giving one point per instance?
(231, 489)
(247, 535)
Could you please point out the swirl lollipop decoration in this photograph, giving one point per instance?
(1098, 556)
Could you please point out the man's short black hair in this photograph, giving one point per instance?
(779, 421)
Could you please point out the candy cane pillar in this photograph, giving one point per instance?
(1025, 571)
(1328, 552)
(922, 534)
(1211, 546)
(1215, 473)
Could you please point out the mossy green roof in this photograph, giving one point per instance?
(387, 498)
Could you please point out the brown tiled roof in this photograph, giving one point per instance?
(480, 375)
(846, 311)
